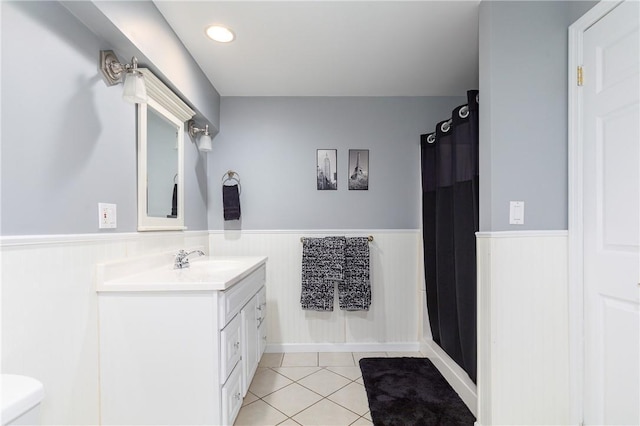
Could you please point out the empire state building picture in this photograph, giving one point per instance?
(326, 169)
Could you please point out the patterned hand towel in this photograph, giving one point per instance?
(316, 295)
(354, 292)
(322, 265)
(334, 258)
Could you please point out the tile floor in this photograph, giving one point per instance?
(314, 388)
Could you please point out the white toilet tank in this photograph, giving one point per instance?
(21, 397)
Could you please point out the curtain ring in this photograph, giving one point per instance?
(447, 124)
(477, 98)
(464, 111)
(431, 138)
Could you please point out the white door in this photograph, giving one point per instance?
(611, 139)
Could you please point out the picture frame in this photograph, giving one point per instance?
(327, 169)
(358, 170)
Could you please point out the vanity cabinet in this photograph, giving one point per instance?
(180, 357)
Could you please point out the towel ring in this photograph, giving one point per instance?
(230, 175)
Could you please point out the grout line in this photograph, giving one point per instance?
(322, 397)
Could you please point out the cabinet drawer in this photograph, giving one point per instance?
(230, 347)
(232, 396)
(232, 300)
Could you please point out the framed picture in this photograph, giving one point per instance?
(327, 169)
(359, 169)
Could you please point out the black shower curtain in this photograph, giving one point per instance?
(450, 181)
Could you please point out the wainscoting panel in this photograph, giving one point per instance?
(50, 314)
(523, 349)
(391, 320)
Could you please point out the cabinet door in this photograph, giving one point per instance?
(262, 323)
(250, 339)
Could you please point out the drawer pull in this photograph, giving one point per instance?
(236, 345)
(237, 396)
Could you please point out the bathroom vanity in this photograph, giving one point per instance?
(179, 346)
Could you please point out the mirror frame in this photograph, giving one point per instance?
(170, 106)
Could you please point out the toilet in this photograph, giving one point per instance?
(21, 397)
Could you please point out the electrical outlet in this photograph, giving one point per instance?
(107, 216)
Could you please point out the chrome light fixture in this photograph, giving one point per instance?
(114, 72)
(204, 141)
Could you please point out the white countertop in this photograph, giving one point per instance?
(207, 273)
(19, 395)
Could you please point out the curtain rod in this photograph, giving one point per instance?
(369, 238)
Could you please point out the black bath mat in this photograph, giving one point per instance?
(411, 391)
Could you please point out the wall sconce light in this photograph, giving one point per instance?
(204, 141)
(114, 72)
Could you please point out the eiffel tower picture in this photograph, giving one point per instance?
(359, 169)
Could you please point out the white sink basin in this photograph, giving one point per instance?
(213, 266)
(203, 273)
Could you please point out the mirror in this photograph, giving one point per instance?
(161, 158)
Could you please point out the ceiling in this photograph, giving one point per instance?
(333, 48)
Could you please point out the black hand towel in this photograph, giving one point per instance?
(231, 202)
(174, 201)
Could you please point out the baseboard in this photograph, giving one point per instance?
(343, 347)
(454, 374)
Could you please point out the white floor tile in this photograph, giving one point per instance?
(326, 413)
(296, 373)
(357, 356)
(324, 382)
(267, 381)
(249, 398)
(362, 422)
(270, 360)
(339, 359)
(309, 389)
(301, 359)
(405, 355)
(353, 397)
(292, 399)
(289, 422)
(259, 413)
(351, 373)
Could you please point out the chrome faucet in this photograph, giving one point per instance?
(182, 260)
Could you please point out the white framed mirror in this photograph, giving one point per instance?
(161, 157)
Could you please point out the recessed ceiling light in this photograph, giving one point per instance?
(220, 33)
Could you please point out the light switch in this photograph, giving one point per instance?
(107, 216)
(516, 212)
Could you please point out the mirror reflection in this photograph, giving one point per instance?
(162, 166)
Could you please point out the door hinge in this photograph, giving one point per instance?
(580, 76)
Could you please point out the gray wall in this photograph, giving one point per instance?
(138, 28)
(68, 140)
(271, 143)
(523, 111)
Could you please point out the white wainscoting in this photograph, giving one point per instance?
(392, 322)
(523, 338)
(49, 311)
